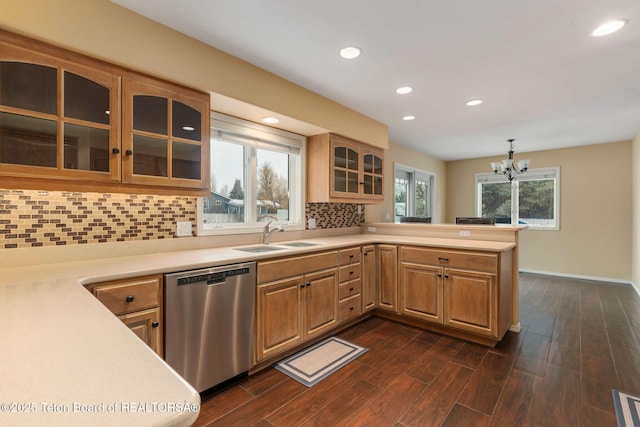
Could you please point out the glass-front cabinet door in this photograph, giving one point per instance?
(57, 119)
(372, 175)
(345, 168)
(165, 136)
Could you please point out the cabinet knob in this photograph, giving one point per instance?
(155, 324)
(309, 284)
(350, 289)
(446, 276)
(302, 286)
(129, 298)
(350, 256)
(116, 151)
(350, 308)
(128, 152)
(351, 272)
(439, 275)
(366, 253)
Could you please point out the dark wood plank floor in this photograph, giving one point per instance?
(579, 340)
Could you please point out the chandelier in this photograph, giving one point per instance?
(507, 167)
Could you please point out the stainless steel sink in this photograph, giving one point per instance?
(299, 244)
(260, 248)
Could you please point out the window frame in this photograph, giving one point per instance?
(253, 136)
(531, 175)
(412, 175)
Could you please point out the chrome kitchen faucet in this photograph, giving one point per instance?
(266, 232)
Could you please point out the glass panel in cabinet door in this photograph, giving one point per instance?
(29, 86)
(377, 185)
(86, 148)
(352, 156)
(185, 121)
(352, 182)
(367, 161)
(149, 156)
(185, 160)
(377, 165)
(340, 181)
(340, 157)
(150, 114)
(368, 184)
(85, 99)
(27, 141)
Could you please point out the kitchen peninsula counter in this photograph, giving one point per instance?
(69, 361)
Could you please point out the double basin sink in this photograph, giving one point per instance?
(278, 247)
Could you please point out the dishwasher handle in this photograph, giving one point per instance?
(213, 277)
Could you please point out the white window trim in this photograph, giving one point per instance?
(410, 203)
(257, 136)
(530, 175)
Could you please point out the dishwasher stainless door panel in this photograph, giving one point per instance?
(209, 318)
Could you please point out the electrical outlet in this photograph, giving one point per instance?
(465, 233)
(311, 222)
(183, 228)
(371, 229)
(387, 217)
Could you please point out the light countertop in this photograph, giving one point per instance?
(67, 360)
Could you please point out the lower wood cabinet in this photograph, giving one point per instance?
(464, 290)
(387, 257)
(369, 279)
(292, 310)
(138, 303)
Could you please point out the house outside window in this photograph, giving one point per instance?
(413, 193)
(532, 198)
(256, 177)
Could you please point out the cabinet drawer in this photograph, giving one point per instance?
(350, 272)
(126, 296)
(268, 271)
(445, 258)
(350, 308)
(349, 289)
(349, 256)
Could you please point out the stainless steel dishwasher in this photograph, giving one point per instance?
(209, 316)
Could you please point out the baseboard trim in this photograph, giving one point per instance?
(578, 276)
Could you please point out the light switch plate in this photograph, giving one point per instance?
(465, 233)
(183, 228)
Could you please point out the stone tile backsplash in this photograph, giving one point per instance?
(30, 218)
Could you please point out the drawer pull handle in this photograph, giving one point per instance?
(155, 324)
(129, 298)
(350, 256)
(350, 308)
(443, 259)
(350, 289)
(351, 272)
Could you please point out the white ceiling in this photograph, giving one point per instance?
(544, 80)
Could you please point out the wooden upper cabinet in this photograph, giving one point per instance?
(342, 170)
(58, 119)
(70, 122)
(165, 135)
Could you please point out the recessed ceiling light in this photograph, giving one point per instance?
(270, 120)
(474, 102)
(404, 90)
(609, 27)
(407, 118)
(188, 128)
(350, 52)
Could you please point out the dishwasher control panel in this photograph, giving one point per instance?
(215, 277)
